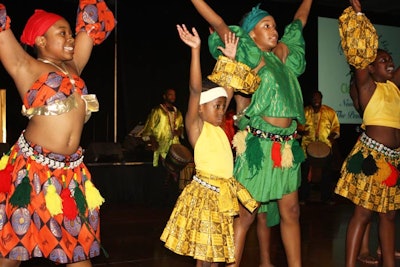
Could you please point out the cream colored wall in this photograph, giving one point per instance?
(3, 129)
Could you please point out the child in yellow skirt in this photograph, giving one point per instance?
(370, 174)
(201, 223)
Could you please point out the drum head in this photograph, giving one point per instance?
(181, 153)
(318, 149)
(177, 158)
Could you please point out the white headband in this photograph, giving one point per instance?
(212, 94)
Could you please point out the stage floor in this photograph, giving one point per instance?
(138, 204)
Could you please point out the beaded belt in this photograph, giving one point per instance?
(371, 143)
(271, 136)
(28, 151)
(205, 184)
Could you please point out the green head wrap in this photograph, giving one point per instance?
(253, 17)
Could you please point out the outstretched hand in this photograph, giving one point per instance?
(191, 39)
(231, 42)
(356, 5)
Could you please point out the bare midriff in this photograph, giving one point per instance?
(388, 136)
(279, 122)
(58, 133)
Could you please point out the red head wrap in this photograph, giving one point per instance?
(37, 25)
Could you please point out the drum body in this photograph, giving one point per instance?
(186, 175)
(317, 155)
(177, 158)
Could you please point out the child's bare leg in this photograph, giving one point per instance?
(264, 240)
(355, 232)
(290, 228)
(241, 225)
(387, 238)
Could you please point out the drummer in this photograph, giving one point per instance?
(322, 124)
(164, 127)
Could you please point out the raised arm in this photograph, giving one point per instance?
(216, 22)
(352, 19)
(193, 122)
(396, 77)
(303, 11)
(94, 23)
(16, 61)
(230, 49)
(281, 50)
(363, 80)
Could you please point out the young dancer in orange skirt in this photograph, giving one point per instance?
(48, 205)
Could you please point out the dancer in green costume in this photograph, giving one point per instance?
(268, 154)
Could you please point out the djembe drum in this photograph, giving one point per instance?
(318, 154)
(186, 175)
(177, 158)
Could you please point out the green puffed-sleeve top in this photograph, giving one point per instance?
(279, 93)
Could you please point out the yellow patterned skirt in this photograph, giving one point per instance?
(201, 223)
(369, 176)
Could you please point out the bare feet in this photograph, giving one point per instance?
(367, 259)
(396, 253)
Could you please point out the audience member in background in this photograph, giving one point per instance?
(164, 127)
(201, 223)
(49, 206)
(369, 176)
(269, 156)
(319, 134)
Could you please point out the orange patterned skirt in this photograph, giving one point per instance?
(48, 206)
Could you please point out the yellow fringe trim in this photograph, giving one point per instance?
(238, 142)
(93, 197)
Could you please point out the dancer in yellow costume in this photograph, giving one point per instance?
(201, 223)
(370, 173)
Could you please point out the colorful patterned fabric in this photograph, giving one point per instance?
(201, 223)
(4, 19)
(359, 39)
(96, 19)
(369, 176)
(239, 76)
(31, 224)
(52, 87)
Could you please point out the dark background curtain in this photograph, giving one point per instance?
(150, 57)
